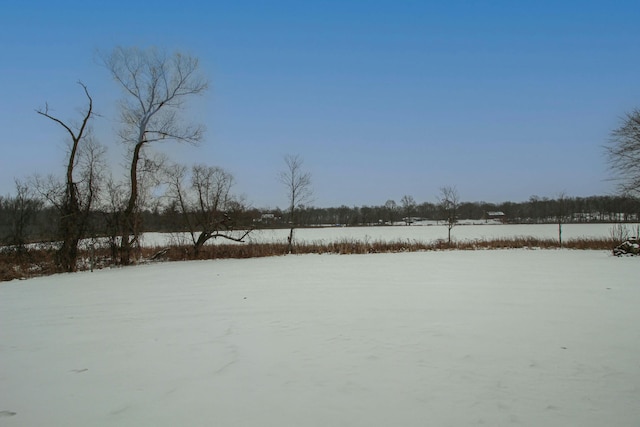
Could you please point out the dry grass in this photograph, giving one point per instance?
(24, 264)
(21, 264)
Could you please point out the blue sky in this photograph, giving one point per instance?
(503, 99)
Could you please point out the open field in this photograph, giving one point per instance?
(424, 233)
(459, 338)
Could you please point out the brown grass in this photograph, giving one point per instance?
(24, 264)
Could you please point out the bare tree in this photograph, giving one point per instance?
(391, 209)
(561, 213)
(298, 185)
(111, 210)
(623, 152)
(75, 197)
(449, 203)
(20, 212)
(207, 207)
(408, 206)
(156, 86)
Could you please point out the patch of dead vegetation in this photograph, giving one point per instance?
(33, 262)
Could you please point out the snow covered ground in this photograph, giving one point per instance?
(454, 338)
(425, 233)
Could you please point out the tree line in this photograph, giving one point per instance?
(533, 211)
(25, 217)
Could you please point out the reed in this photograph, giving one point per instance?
(39, 261)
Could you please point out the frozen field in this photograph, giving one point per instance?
(495, 338)
(424, 233)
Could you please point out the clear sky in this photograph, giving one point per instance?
(503, 99)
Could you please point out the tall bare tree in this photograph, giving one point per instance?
(298, 184)
(623, 153)
(156, 86)
(449, 203)
(75, 197)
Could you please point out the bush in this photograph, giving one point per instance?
(628, 247)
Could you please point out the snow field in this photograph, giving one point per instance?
(425, 233)
(522, 337)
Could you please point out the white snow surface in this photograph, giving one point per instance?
(419, 233)
(454, 338)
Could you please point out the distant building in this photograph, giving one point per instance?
(495, 215)
(266, 218)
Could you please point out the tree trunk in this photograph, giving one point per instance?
(68, 253)
(290, 241)
(130, 221)
(560, 233)
(202, 239)
(71, 229)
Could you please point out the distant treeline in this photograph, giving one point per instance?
(534, 210)
(25, 220)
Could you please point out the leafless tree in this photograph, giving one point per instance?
(623, 152)
(391, 209)
(408, 206)
(156, 86)
(299, 192)
(207, 207)
(111, 210)
(75, 197)
(19, 211)
(561, 214)
(449, 203)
